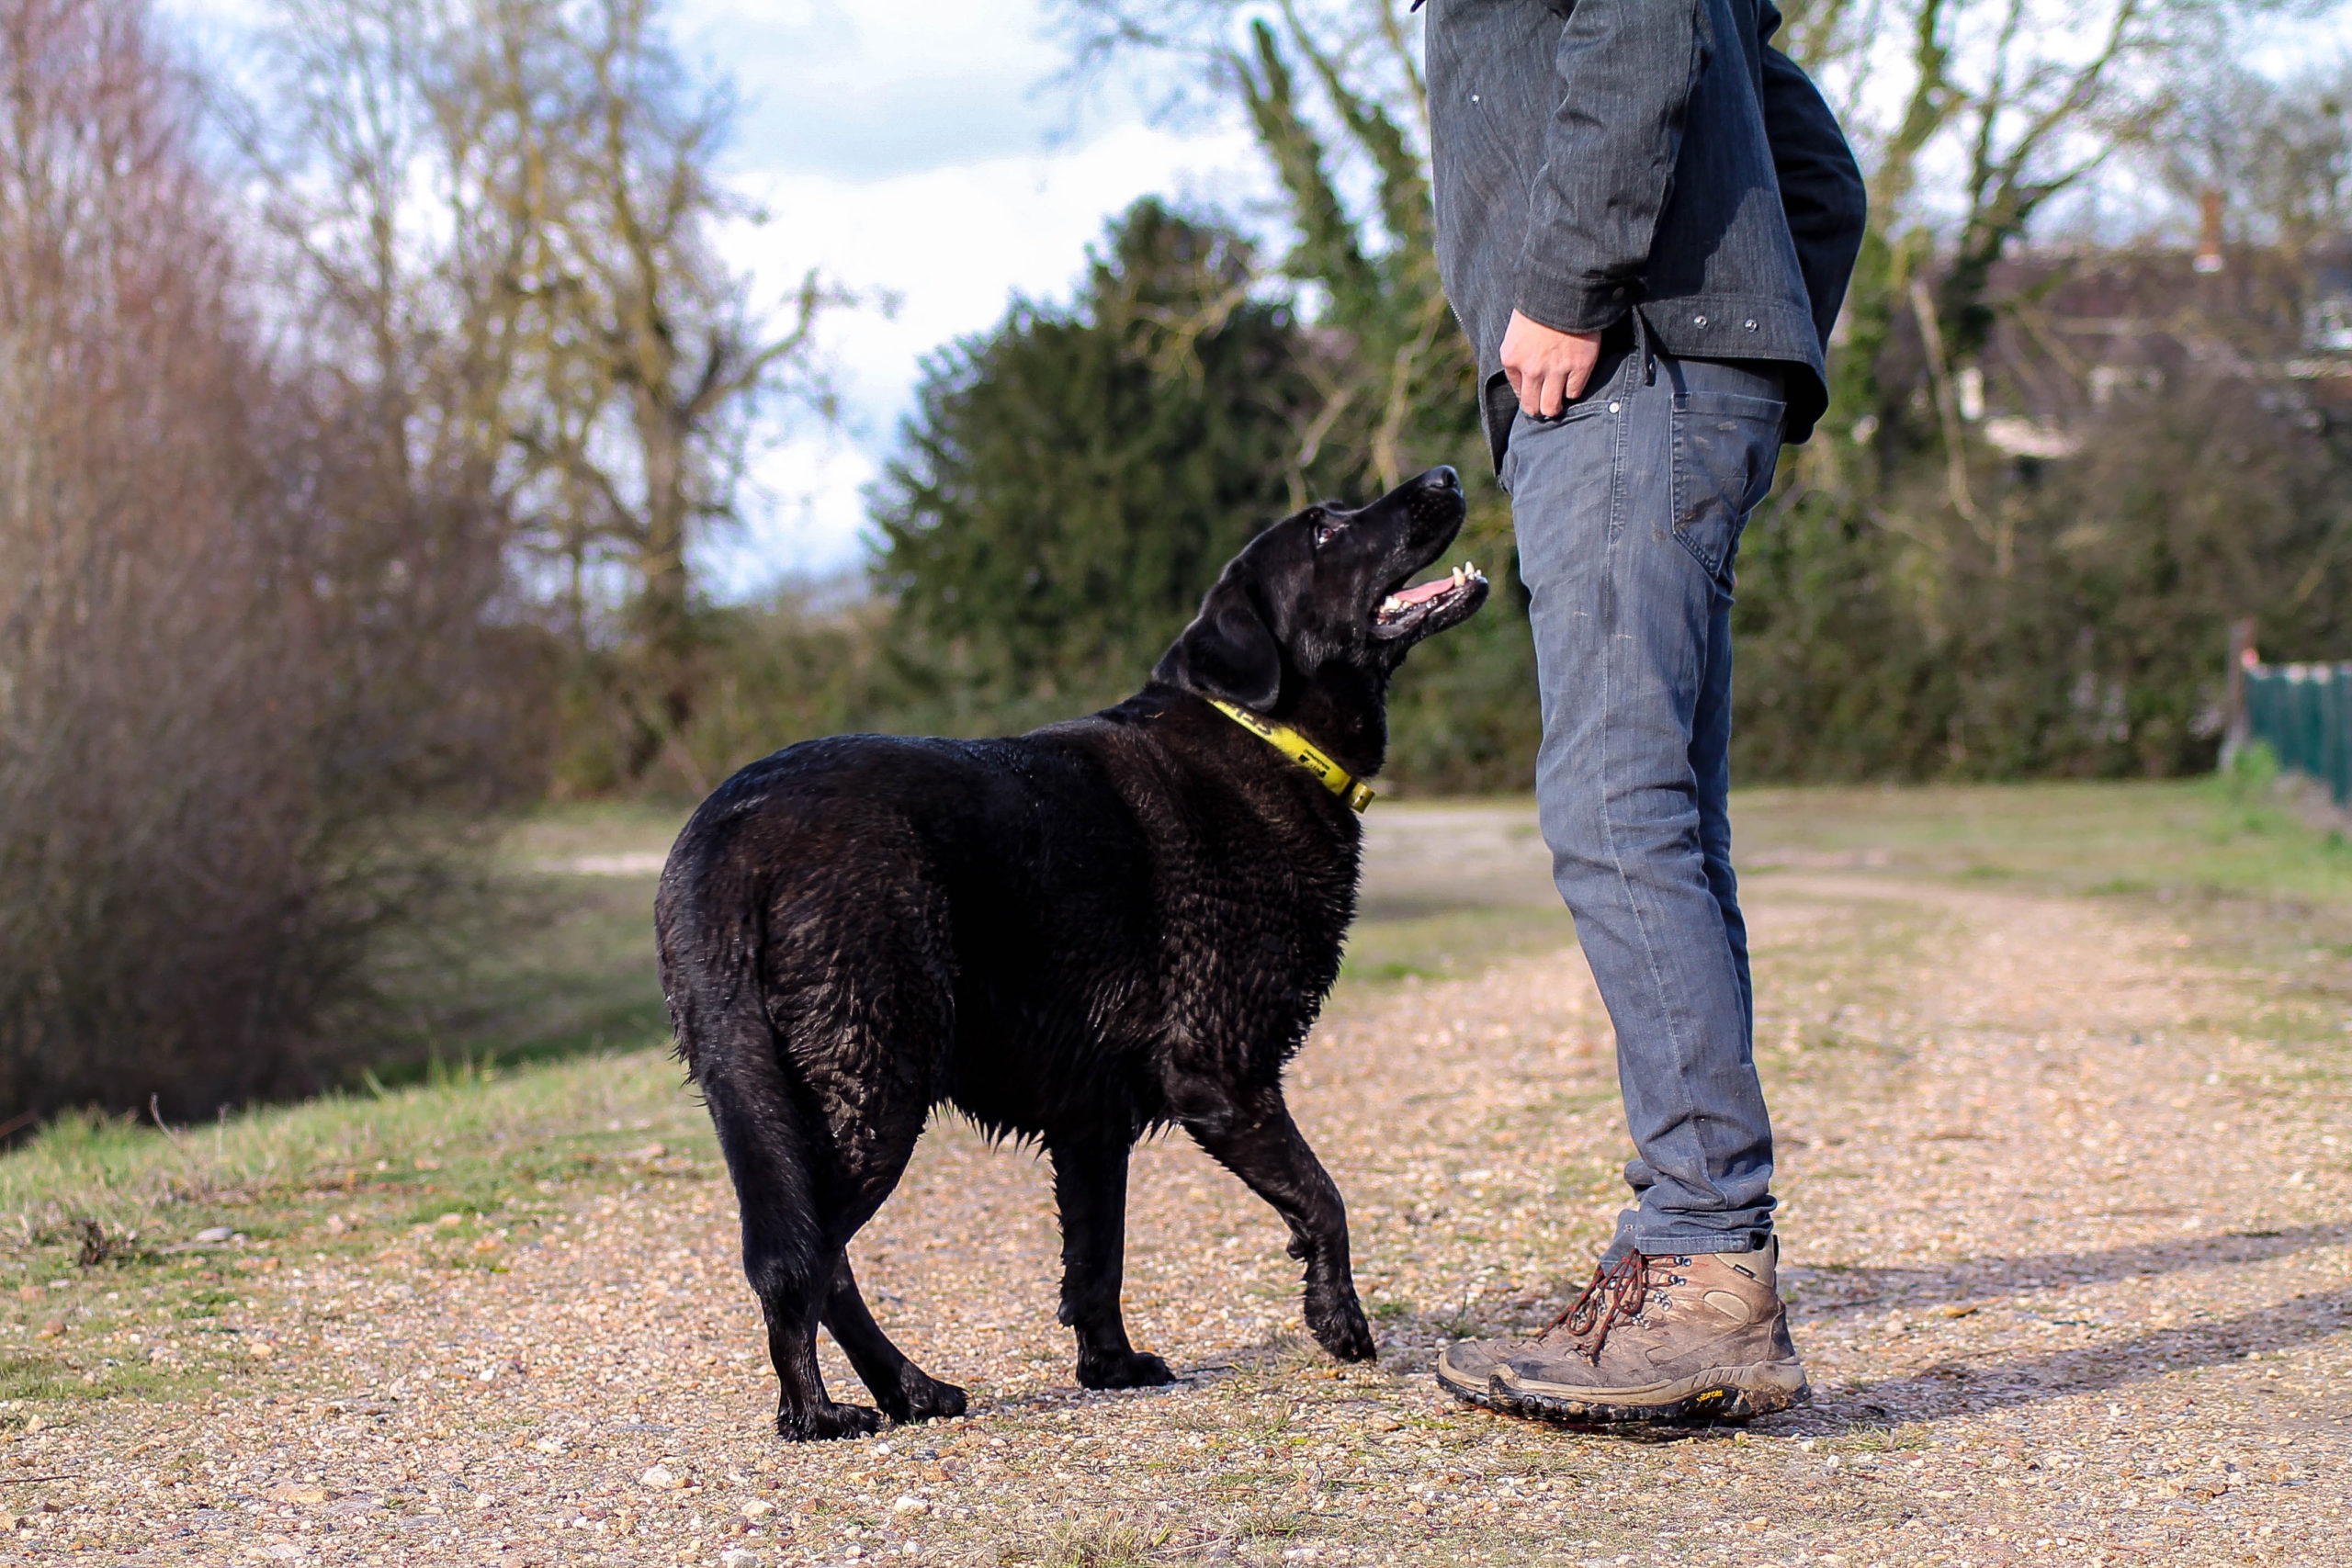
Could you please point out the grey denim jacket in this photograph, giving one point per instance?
(1596, 157)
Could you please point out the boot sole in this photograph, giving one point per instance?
(1718, 1393)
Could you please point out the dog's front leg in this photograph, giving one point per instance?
(1091, 1188)
(1252, 1134)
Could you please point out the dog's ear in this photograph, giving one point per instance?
(1227, 652)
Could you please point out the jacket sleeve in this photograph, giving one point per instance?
(1622, 79)
(1821, 187)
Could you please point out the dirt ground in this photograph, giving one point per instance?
(2064, 1228)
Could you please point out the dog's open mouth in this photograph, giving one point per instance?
(1409, 607)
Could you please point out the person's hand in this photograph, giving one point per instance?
(1547, 369)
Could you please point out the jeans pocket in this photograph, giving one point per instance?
(1725, 446)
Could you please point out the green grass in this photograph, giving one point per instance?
(2194, 838)
(480, 1141)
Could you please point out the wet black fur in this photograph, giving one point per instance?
(1081, 934)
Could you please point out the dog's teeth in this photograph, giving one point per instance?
(1391, 603)
(1457, 577)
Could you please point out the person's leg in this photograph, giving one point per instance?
(1628, 510)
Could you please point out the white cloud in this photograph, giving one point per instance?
(955, 243)
(914, 85)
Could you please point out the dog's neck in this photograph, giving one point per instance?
(1342, 710)
(1345, 722)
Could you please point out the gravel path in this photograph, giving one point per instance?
(2067, 1242)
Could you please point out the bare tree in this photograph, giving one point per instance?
(228, 679)
(510, 211)
(657, 365)
(2279, 155)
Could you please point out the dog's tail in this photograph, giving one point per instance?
(709, 923)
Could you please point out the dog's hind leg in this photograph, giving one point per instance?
(772, 1155)
(904, 1391)
(1091, 1187)
(1252, 1134)
(786, 1256)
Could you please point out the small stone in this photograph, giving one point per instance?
(298, 1492)
(215, 1232)
(663, 1479)
(336, 1225)
(555, 1446)
(758, 1508)
(55, 1328)
(448, 1220)
(736, 1557)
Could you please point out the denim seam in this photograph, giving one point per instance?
(1642, 920)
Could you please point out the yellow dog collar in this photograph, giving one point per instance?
(1300, 750)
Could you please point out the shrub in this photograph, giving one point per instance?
(244, 704)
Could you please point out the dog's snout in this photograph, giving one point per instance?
(1441, 477)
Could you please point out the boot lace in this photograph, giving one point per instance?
(1619, 1292)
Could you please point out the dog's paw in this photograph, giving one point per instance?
(826, 1422)
(924, 1398)
(1127, 1368)
(1339, 1327)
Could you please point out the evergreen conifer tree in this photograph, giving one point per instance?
(1073, 479)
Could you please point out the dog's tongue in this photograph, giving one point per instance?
(1425, 592)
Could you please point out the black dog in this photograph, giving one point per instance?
(1081, 934)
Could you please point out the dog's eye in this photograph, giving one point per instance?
(1326, 525)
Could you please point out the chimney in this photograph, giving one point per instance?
(2209, 232)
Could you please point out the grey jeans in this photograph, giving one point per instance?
(1628, 508)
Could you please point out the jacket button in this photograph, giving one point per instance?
(1698, 320)
(1749, 326)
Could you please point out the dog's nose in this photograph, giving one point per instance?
(1441, 477)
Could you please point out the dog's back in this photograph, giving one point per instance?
(1015, 927)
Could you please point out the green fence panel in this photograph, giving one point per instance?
(2304, 713)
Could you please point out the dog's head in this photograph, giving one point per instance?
(1309, 621)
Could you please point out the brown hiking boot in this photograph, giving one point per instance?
(1664, 1337)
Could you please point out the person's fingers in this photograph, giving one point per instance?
(1578, 374)
(1556, 392)
(1519, 387)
